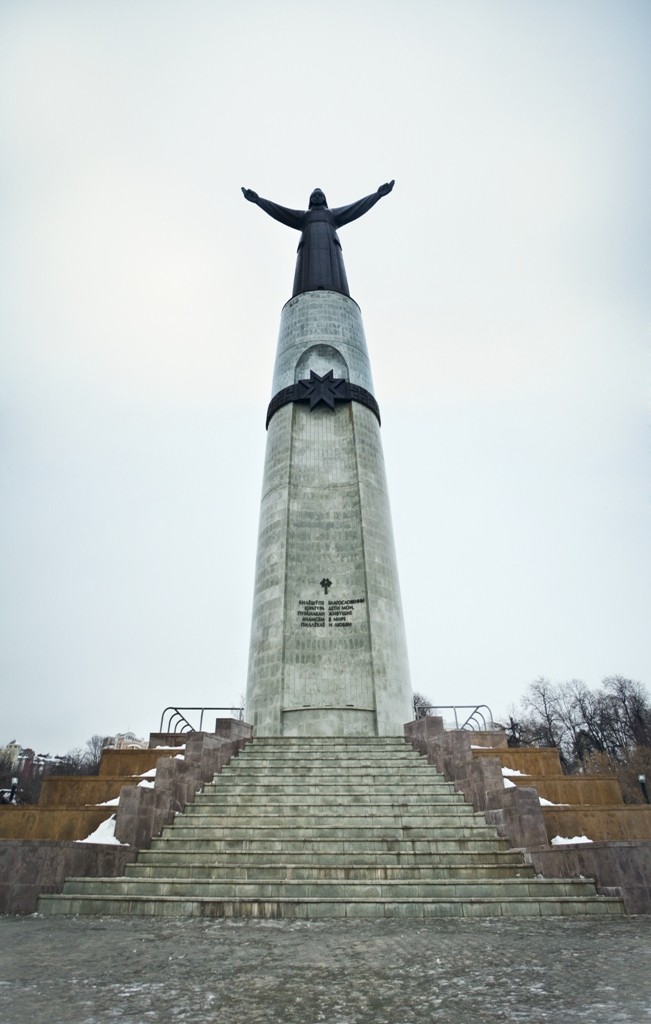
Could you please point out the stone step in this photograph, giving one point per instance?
(61, 824)
(336, 742)
(239, 869)
(312, 764)
(278, 776)
(258, 787)
(324, 833)
(326, 814)
(174, 906)
(332, 758)
(352, 847)
(288, 744)
(454, 860)
(352, 771)
(265, 889)
(218, 802)
(347, 819)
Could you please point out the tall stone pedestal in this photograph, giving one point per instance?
(328, 655)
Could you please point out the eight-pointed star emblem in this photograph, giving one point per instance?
(327, 389)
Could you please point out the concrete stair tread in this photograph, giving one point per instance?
(318, 801)
(396, 884)
(329, 759)
(348, 846)
(268, 872)
(331, 899)
(359, 776)
(462, 858)
(394, 826)
(333, 907)
(242, 788)
(280, 805)
(363, 766)
(291, 743)
(318, 838)
(398, 820)
(226, 822)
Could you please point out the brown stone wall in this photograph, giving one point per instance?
(77, 790)
(530, 760)
(130, 762)
(29, 868)
(622, 865)
(630, 821)
(573, 789)
(619, 858)
(64, 823)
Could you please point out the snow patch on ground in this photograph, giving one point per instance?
(508, 784)
(104, 833)
(181, 746)
(109, 803)
(550, 803)
(151, 774)
(179, 757)
(565, 841)
(478, 746)
(514, 771)
(145, 784)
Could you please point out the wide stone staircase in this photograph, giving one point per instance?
(329, 827)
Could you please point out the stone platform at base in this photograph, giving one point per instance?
(133, 971)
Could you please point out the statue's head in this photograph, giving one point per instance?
(317, 198)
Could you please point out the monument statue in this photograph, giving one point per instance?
(328, 651)
(319, 261)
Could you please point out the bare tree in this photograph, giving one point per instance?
(423, 707)
(7, 769)
(543, 721)
(80, 761)
(71, 763)
(632, 701)
(92, 755)
(611, 725)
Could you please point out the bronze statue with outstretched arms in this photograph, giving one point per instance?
(319, 260)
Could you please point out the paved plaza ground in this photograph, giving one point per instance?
(96, 971)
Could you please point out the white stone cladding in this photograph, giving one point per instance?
(321, 319)
(322, 663)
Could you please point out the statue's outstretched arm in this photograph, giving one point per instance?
(344, 214)
(292, 218)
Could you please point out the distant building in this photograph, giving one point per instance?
(125, 741)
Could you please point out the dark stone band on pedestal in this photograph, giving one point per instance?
(326, 390)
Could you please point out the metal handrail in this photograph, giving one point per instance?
(476, 720)
(177, 722)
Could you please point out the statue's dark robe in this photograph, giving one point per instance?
(319, 260)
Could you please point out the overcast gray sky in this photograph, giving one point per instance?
(504, 286)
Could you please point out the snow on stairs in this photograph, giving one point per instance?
(329, 827)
